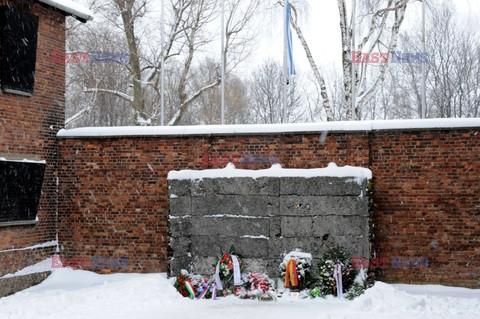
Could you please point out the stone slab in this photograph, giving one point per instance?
(291, 205)
(180, 206)
(235, 205)
(296, 226)
(180, 227)
(236, 186)
(340, 226)
(179, 187)
(11, 285)
(322, 186)
(181, 246)
(178, 263)
(230, 226)
(217, 246)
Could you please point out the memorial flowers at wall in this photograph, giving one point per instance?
(335, 276)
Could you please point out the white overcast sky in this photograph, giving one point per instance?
(322, 32)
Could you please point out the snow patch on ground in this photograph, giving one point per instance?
(76, 294)
(359, 173)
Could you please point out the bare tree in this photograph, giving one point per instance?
(95, 109)
(266, 96)
(207, 108)
(189, 36)
(453, 67)
(385, 19)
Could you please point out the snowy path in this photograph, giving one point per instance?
(81, 294)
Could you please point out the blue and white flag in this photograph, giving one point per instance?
(288, 30)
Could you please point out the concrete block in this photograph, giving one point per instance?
(252, 247)
(178, 263)
(264, 219)
(206, 246)
(273, 270)
(203, 265)
(355, 245)
(11, 285)
(296, 226)
(236, 186)
(179, 187)
(340, 226)
(256, 265)
(230, 226)
(321, 186)
(181, 246)
(275, 227)
(320, 206)
(180, 206)
(205, 186)
(235, 205)
(180, 227)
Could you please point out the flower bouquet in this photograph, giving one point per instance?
(180, 284)
(195, 287)
(326, 267)
(256, 286)
(228, 271)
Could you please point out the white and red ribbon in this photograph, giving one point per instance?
(337, 275)
(237, 277)
(218, 281)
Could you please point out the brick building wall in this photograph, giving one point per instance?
(113, 192)
(28, 127)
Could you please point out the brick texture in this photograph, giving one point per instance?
(28, 127)
(114, 203)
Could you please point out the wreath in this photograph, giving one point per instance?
(296, 270)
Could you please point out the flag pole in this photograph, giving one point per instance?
(285, 71)
(162, 71)
(354, 91)
(424, 67)
(223, 65)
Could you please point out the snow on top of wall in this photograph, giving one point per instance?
(45, 265)
(23, 160)
(42, 245)
(71, 7)
(117, 131)
(359, 173)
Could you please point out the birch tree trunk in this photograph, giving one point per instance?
(375, 37)
(319, 78)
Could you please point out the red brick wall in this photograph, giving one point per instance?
(426, 191)
(28, 127)
(114, 199)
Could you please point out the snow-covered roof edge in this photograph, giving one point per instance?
(73, 8)
(25, 160)
(357, 173)
(347, 126)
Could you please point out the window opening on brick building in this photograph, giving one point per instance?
(20, 189)
(18, 50)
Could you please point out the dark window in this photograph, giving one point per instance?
(20, 190)
(18, 50)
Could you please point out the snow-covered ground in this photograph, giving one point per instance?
(74, 294)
